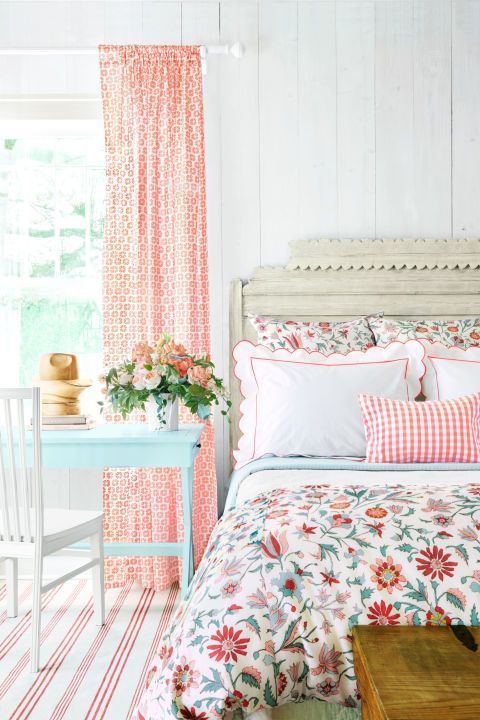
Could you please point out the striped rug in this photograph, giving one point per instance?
(88, 672)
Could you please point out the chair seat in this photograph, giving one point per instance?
(59, 523)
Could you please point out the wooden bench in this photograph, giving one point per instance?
(417, 673)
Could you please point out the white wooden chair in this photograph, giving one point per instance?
(27, 529)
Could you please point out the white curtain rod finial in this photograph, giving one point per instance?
(237, 50)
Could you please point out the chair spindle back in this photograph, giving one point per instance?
(20, 466)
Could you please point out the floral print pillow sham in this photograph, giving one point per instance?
(325, 337)
(286, 575)
(452, 333)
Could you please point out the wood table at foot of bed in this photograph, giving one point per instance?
(418, 673)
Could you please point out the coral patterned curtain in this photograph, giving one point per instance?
(155, 274)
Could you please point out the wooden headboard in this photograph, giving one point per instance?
(335, 279)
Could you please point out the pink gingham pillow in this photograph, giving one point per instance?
(399, 431)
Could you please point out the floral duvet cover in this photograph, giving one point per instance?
(268, 618)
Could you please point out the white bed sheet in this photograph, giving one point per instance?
(265, 481)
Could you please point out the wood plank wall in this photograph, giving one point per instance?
(344, 118)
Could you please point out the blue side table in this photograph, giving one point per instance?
(133, 445)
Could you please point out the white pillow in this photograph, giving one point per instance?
(306, 403)
(450, 372)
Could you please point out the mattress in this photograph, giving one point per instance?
(263, 476)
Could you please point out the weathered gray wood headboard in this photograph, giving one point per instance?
(334, 279)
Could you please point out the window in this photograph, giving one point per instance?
(51, 230)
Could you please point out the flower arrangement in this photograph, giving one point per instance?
(162, 374)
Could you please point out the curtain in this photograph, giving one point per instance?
(155, 275)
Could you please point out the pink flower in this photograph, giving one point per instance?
(293, 671)
(166, 347)
(124, 378)
(329, 661)
(437, 617)
(199, 375)
(274, 546)
(469, 533)
(142, 353)
(181, 364)
(227, 643)
(231, 588)
(184, 676)
(382, 614)
(294, 340)
(387, 574)
(396, 509)
(437, 505)
(435, 561)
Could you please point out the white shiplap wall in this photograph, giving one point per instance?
(344, 118)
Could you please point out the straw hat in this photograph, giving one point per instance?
(61, 386)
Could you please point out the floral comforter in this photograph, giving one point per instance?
(268, 618)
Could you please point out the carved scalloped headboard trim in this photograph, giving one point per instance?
(385, 254)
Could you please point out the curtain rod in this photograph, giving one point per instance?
(236, 50)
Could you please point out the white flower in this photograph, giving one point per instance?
(138, 381)
(124, 378)
(152, 380)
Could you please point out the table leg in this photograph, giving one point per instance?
(187, 555)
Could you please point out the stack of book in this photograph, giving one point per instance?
(67, 422)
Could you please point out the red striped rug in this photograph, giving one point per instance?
(88, 672)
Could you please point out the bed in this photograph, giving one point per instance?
(309, 547)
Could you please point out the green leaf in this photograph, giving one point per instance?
(290, 633)
(268, 695)
(454, 600)
(304, 673)
(353, 620)
(365, 593)
(405, 547)
(250, 679)
(253, 624)
(326, 548)
(214, 684)
(474, 619)
(463, 551)
(419, 595)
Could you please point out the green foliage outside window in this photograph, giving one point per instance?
(49, 325)
(51, 232)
